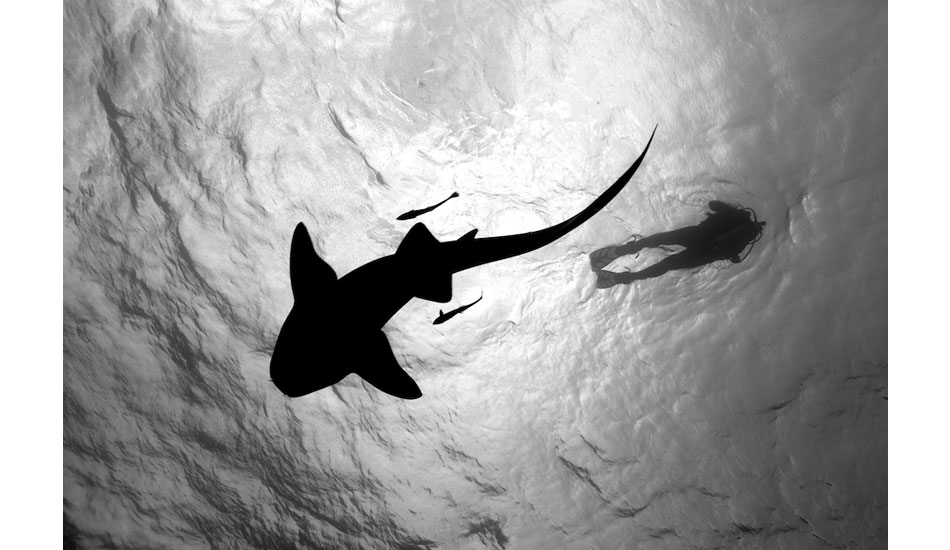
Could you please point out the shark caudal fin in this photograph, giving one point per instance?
(380, 368)
(309, 274)
(467, 253)
(429, 283)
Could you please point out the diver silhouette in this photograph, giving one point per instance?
(723, 235)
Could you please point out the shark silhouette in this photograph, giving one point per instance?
(416, 213)
(443, 317)
(335, 325)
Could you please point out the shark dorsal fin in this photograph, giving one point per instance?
(469, 236)
(428, 282)
(309, 274)
(440, 313)
(418, 241)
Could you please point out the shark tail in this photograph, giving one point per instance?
(492, 249)
(556, 232)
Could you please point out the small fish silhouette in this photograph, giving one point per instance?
(416, 213)
(443, 317)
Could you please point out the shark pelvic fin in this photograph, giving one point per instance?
(380, 368)
(309, 274)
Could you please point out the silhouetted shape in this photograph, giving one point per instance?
(415, 213)
(443, 317)
(723, 235)
(335, 325)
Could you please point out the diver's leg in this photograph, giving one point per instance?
(684, 236)
(599, 259)
(607, 279)
(683, 260)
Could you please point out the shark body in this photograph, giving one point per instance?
(443, 317)
(416, 213)
(335, 325)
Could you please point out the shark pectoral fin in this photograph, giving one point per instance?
(380, 368)
(469, 236)
(308, 273)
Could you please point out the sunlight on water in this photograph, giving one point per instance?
(732, 405)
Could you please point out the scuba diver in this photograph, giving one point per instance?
(723, 235)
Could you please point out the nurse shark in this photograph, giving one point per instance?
(335, 325)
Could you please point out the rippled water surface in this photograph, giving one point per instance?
(731, 406)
